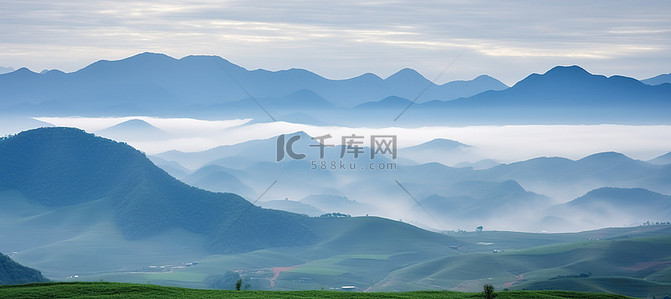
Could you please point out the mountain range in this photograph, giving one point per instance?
(561, 95)
(155, 83)
(456, 195)
(212, 87)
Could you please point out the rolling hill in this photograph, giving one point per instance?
(636, 267)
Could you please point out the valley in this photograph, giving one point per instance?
(173, 177)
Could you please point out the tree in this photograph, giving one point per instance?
(488, 291)
(238, 284)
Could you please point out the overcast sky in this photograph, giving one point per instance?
(505, 39)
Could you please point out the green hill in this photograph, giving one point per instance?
(12, 272)
(61, 167)
(123, 290)
(639, 267)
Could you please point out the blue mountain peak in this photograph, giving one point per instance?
(572, 71)
(24, 70)
(406, 74)
(606, 157)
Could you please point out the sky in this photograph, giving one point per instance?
(505, 39)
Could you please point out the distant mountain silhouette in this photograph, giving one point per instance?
(594, 171)
(292, 206)
(662, 160)
(481, 200)
(559, 178)
(562, 169)
(392, 102)
(626, 198)
(134, 129)
(10, 124)
(156, 84)
(445, 151)
(440, 144)
(641, 204)
(171, 167)
(333, 203)
(12, 272)
(59, 167)
(657, 80)
(210, 86)
(479, 165)
(246, 153)
(564, 94)
(218, 179)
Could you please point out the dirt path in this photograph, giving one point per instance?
(277, 271)
(509, 284)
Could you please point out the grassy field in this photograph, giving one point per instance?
(636, 267)
(630, 261)
(126, 290)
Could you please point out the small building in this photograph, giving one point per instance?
(348, 288)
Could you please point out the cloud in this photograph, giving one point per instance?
(346, 38)
(503, 143)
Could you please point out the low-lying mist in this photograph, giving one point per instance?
(529, 196)
(502, 143)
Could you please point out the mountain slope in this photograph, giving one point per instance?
(60, 167)
(657, 80)
(13, 273)
(662, 160)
